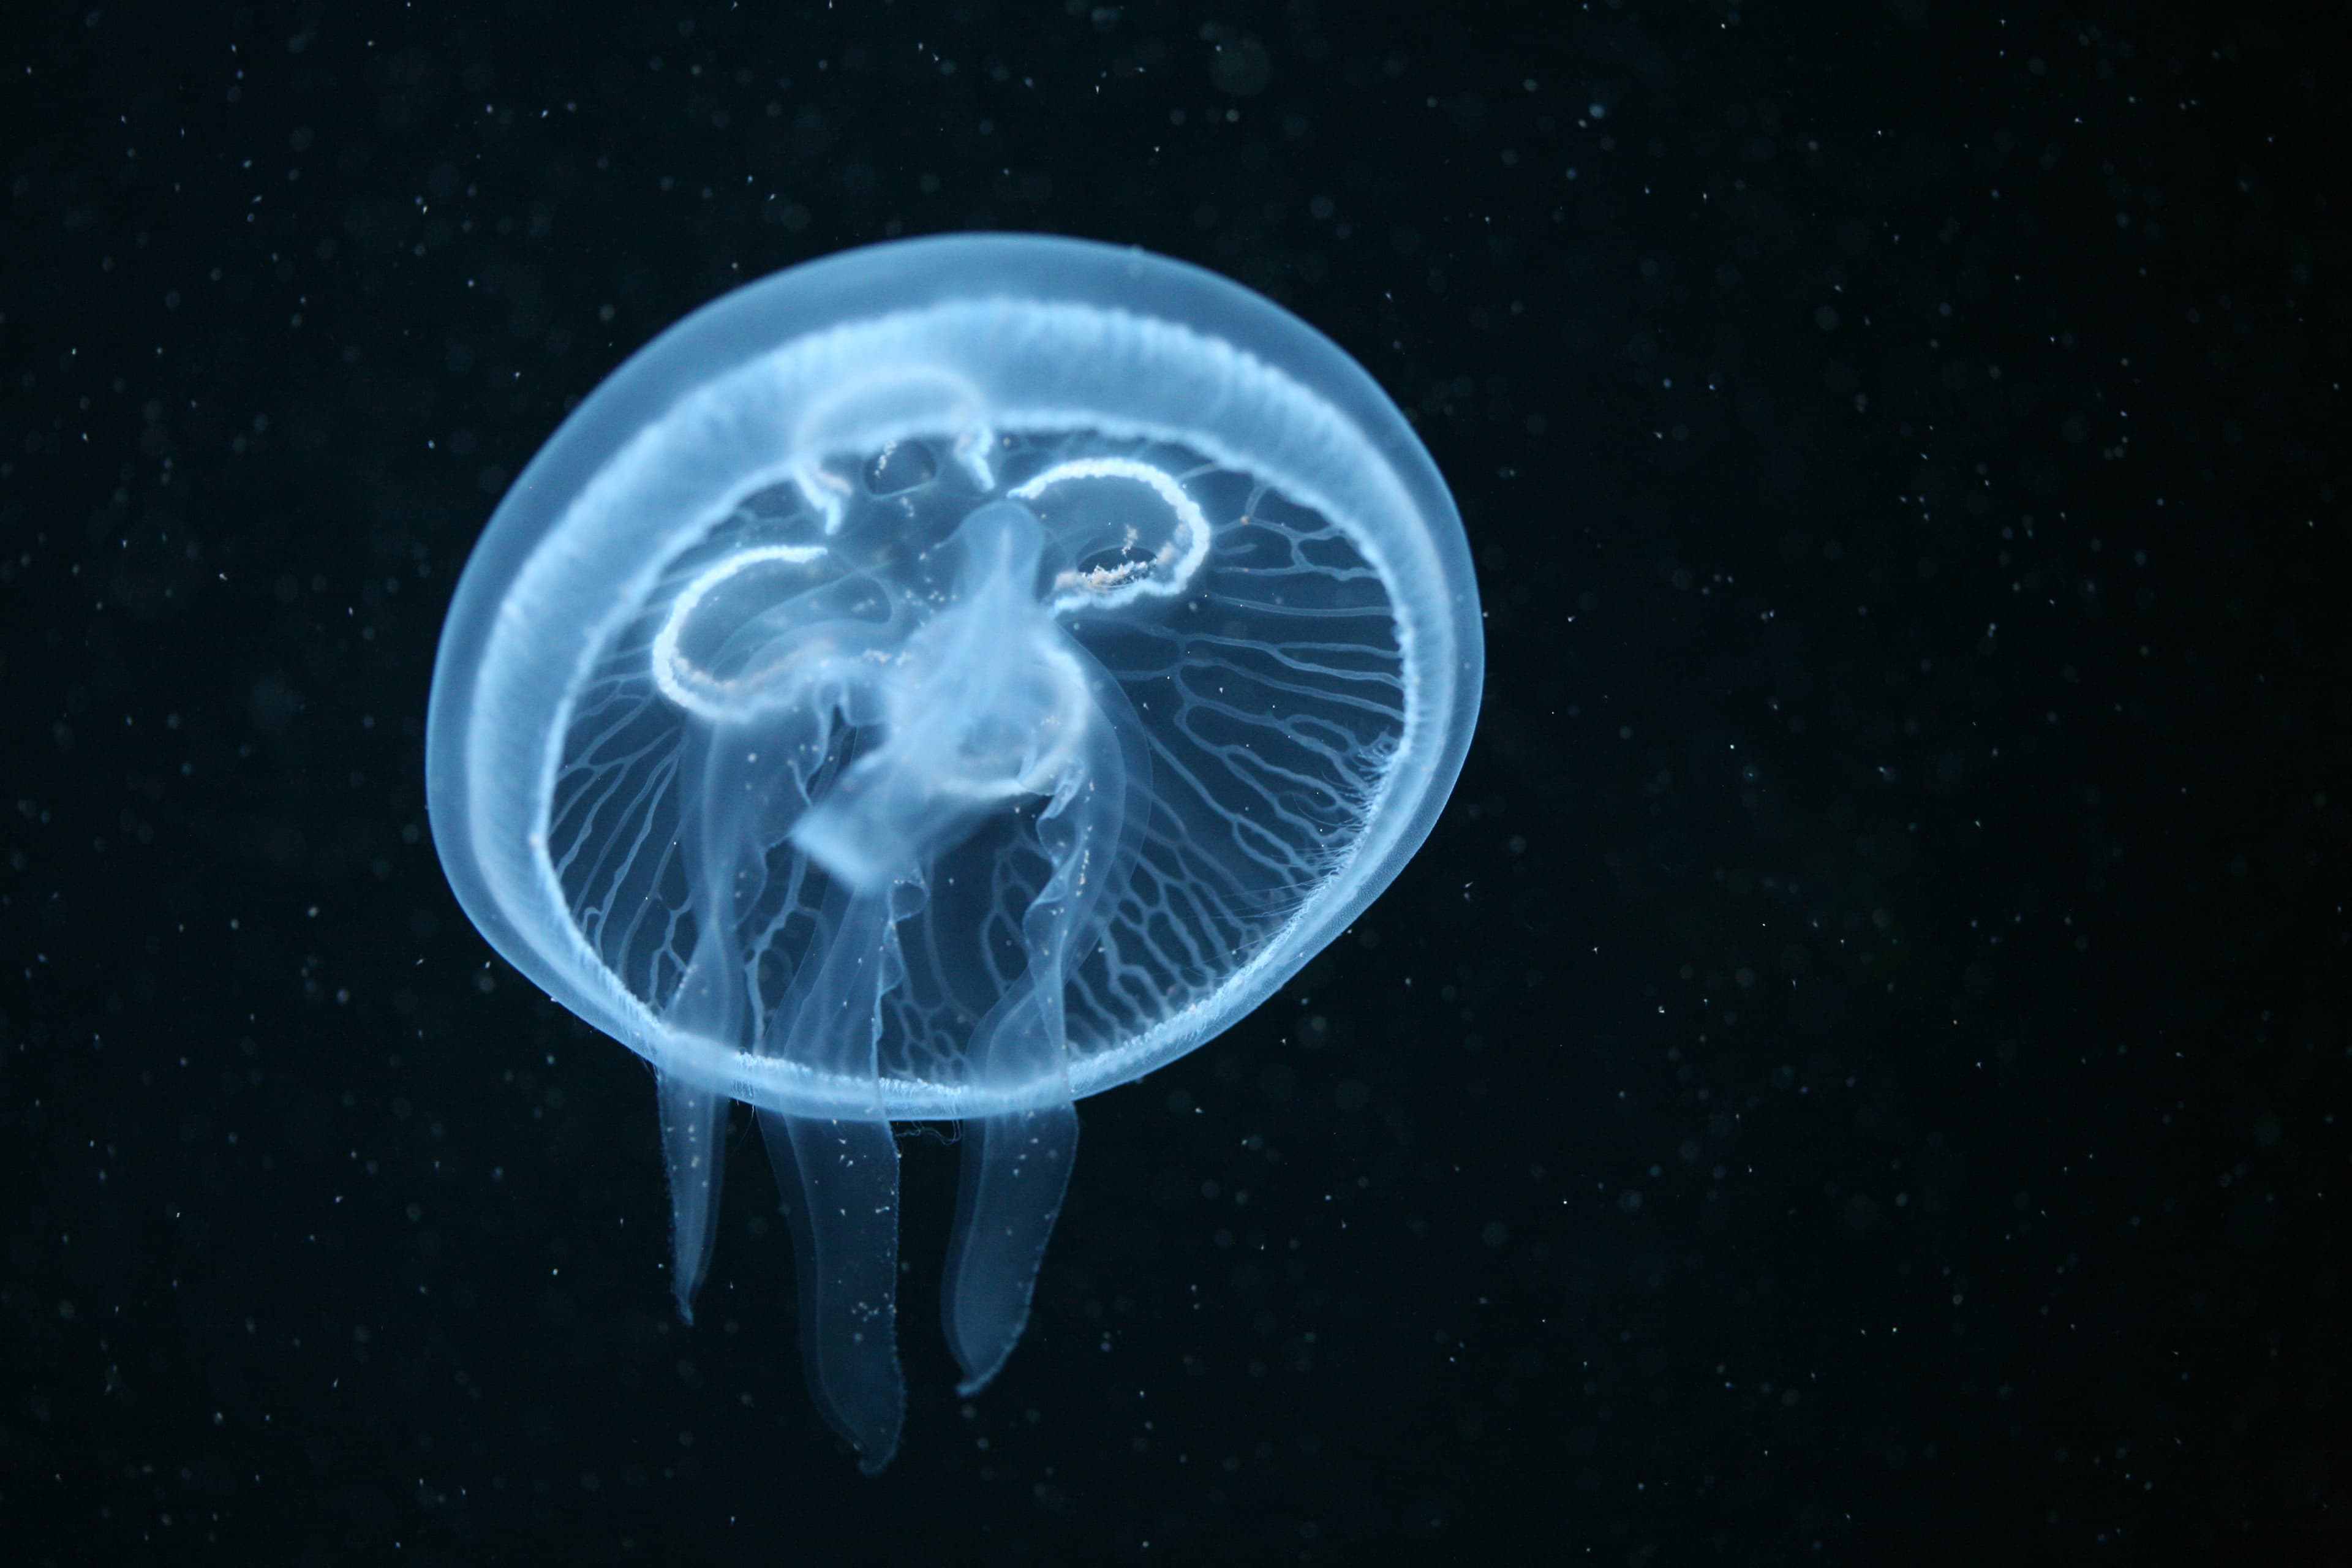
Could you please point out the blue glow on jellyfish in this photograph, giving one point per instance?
(941, 682)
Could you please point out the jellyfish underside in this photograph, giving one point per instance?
(932, 775)
(978, 707)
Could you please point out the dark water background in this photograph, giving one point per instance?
(1872, 1082)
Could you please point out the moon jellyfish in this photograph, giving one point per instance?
(941, 682)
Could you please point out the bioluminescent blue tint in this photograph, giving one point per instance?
(943, 681)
